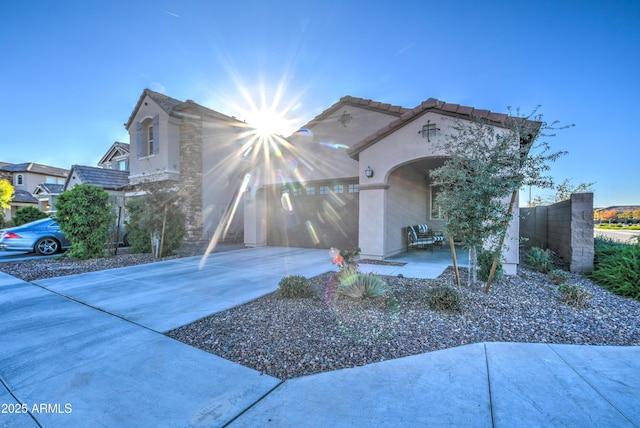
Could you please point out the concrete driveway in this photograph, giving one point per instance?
(87, 350)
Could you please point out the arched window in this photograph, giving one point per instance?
(19, 180)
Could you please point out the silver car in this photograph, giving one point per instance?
(42, 236)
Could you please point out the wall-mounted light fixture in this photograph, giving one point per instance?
(429, 130)
(368, 172)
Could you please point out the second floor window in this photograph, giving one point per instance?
(19, 180)
(147, 136)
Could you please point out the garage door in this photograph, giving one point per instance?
(314, 215)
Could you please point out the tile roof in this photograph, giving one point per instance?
(431, 104)
(35, 168)
(24, 197)
(51, 188)
(359, 102)
(108, 179)
(173, 106)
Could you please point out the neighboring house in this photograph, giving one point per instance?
(114, 182)
(47, 194)
(25, 179)
(356, 176)
(117, 157)
(195, 150)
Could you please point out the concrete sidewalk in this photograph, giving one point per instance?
(87, 350)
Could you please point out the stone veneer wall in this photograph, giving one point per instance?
(191, 175)
(565, 227)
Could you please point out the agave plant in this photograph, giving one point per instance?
(361, 285)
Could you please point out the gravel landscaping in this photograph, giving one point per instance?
(288, 338)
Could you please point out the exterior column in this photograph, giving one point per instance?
(255, 218)
(372, 218)
(191, 174)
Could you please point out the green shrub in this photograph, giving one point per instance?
(85, 217)
(617, 267)
(558, 276)
(574, 295)
(360, 285)
(442, 298)
(27, 215)
(294, 286)
(540, 260)
(147, 217)
(485, 260)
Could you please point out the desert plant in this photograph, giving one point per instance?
(349, 256)
(27, 215)
(485, 259)
(361, 285)
(558, 276)
(443, 298)
(540, 260)
(294, 286)
(574, 295)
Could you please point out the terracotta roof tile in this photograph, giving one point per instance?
(453, 108)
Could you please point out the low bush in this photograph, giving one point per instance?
(574, 295)
(444, 298)
(27, 215)
(485, 260)
(349, 256)
(558, 276)
(617, 267)
(294, 286)
(540, 260)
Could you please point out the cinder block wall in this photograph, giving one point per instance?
(565, 227)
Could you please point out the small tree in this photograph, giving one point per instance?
(6, 194)
(565, 189)
(487, 164)
(27, 215)
(85, 217)
(155, 217)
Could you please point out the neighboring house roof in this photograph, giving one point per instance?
(36, 168)
(108, 179)
(358, 102)
(174, 107)
(432, 104)
(116, 149)
(49, 188)
(22, 196)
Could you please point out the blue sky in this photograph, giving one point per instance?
(72, 71)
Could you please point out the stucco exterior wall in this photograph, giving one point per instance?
(163, 165)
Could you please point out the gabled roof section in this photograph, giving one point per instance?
(24, 197)
(431, 104)
(49, 188)
(36, 168)
(108, 179)
(358, 102)
(174, 107)
(116, 149)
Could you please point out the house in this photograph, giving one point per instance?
(46, 195)
(193, 149)
(356, 176)
(25, 178)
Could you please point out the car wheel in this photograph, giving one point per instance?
(47, 246)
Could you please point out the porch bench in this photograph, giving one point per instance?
(421, 236)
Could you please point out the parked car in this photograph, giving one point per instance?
(44, 237)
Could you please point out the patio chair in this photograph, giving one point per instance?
(421, 236)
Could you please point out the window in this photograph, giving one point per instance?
(311, 191)
(436, 210)
(50, 180)
(147, 132)
(150, 138)
(297, 191)
(338, 188)
(324, 190)
(121, 165)
(353, 188)
(19, 180)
